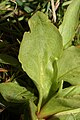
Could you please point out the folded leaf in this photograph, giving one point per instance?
(69, 66)
(38, 50)
(70, 22)
(12, 92)
(65, 102)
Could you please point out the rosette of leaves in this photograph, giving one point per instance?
(49, 59)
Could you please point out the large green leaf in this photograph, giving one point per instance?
(14, 93)
(70, 22)
(66, 101)
(69, 66)
(39, 49)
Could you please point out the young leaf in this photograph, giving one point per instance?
(12, 92)
(65, 102)
(38, 51)
(6, 59)
(70, 22)
(69, 66)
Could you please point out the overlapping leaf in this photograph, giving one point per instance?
(67, 115)
(6, 59)
(70, 22)
(33, 110)
(38, 51)
(12, 92)
(66, 102)
(69, 66)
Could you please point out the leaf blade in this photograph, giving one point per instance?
(70, 22)
(6, 59)
(62, 103)
(14, 93)
(69, 66)
(67, 115)
(41, 50)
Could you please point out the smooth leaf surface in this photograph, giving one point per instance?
(12, 92)
(69, 66)
(6, 59)
(38, 50)
(70, 22)
(65, 102)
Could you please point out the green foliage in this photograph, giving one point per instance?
(35, 59)
(66, 101)
(33, 109)
(70, 23)
(14, 93)
(30, 5)
(41, 93)
(69, 70)
(6, 59)
(42, 58)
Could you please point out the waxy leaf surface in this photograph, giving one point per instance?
(39, 49)
(70, 22)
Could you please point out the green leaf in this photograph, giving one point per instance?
(64, 102)
(24, 6)
(6, 59)
(33, 110)
(38, 51)
(69, 66)
(67, 115)
(70, 22)
(66, 3)
(14, 93)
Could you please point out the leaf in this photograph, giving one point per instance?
(66, 3)
(70, 22)
(33, 110)
(70, 115)
(6, 59)
(14, 93)
(24, 6)
(38, 51)
(65, 102)
(69, 66)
